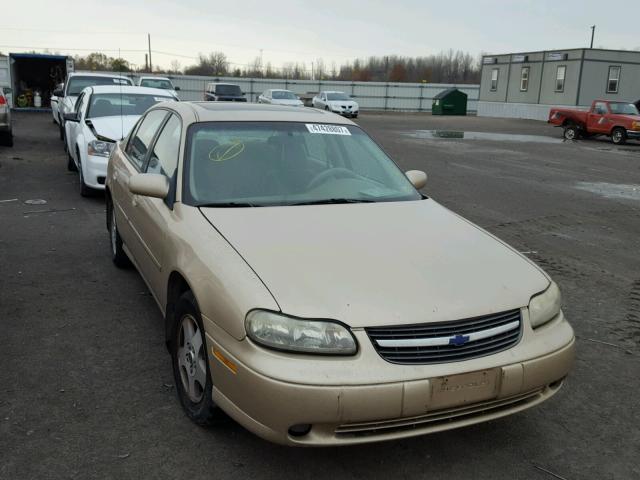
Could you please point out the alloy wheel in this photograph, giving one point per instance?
(191, 359)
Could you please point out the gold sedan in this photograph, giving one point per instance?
(311, 292)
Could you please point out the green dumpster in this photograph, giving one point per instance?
(449, 102)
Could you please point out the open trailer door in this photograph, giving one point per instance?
(34, 77)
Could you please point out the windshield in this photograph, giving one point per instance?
(228, 90)
(283, 95)
(623, 108)
(77, 84)
(337, 96)
(156, 83)
(112, 104)
(278, 163)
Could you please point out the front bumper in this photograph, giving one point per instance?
(351, 400)
(95, 171)
(633, 134)
(346, 113)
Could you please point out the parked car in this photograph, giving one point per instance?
(280, 97)
(311, 291)
(618, 120)
(159, 82)
(337, 102)
(6, 132)
(75, 83)
(103, 115)
(54, 104)
(224, 92)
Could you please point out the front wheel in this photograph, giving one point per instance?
(618, 136)
(191, 363)
(571, 132)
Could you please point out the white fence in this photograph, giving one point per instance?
(415, 97)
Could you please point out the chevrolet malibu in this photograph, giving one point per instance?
(311, 292)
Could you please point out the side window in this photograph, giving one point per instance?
(139, 143)
(601, 108)
(164, 157)
(524, 79)
(560, 75)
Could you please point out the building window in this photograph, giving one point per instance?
(524, 79)
(560, 74)
(494, 79)
(614, 80)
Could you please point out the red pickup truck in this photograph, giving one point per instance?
(618, 120)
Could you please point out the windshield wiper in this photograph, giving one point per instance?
(327, 201)
(227, 205)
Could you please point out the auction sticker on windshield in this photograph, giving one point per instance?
(327, 129)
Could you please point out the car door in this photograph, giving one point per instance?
(151, 216)
(597, 121)
(135, 155)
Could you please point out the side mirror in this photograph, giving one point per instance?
(417, 178)
(58, 92)
(71, 117)
(149, 185)
(177, 89)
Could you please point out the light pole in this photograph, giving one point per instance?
(593, 31)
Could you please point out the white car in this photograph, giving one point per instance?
(76, 82)
(336, 102)
(104, 115)
(162, 83)
(54, 104)
(280, 97)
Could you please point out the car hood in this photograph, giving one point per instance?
(114, 127)
(378, 264)
(342, 102)
(294, 103)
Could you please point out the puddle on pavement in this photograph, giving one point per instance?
(496, 137)
(611, 190)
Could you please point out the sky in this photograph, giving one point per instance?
(297, 31)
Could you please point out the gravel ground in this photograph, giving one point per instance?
(86, 389)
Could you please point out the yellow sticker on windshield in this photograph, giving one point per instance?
(222, 153)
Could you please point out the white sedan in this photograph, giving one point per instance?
(103, 115)
(159, 82)
(280, 97)
(336, 102)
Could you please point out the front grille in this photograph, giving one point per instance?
(435, 419)
(447, 341)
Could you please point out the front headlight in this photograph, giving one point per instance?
(100, 148)
(274, 330)
(545, 306)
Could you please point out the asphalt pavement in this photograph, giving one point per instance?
(86, 389)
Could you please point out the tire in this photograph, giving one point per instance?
(6, 139)
(71, 165)
(118, 256)
(326, 107)
(85, 191)
(619, 136)
(61, 129)
(190, 362)
(571, 132)
(355, 115)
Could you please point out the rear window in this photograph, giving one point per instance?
(283, 95)
(228, 90)
(77, 84)
(155, 83)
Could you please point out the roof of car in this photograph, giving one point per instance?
(153, 78)
(97, 74)
(258, 112)
(130, 89)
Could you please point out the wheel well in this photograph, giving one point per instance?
(176, 286)
(108, 201)
(617, 126)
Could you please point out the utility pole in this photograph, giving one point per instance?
(146, 62)
(149, 40)
(593, 31)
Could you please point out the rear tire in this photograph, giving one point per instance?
(6, 139)
(118, 256)
(619, 136)
(190, 361)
